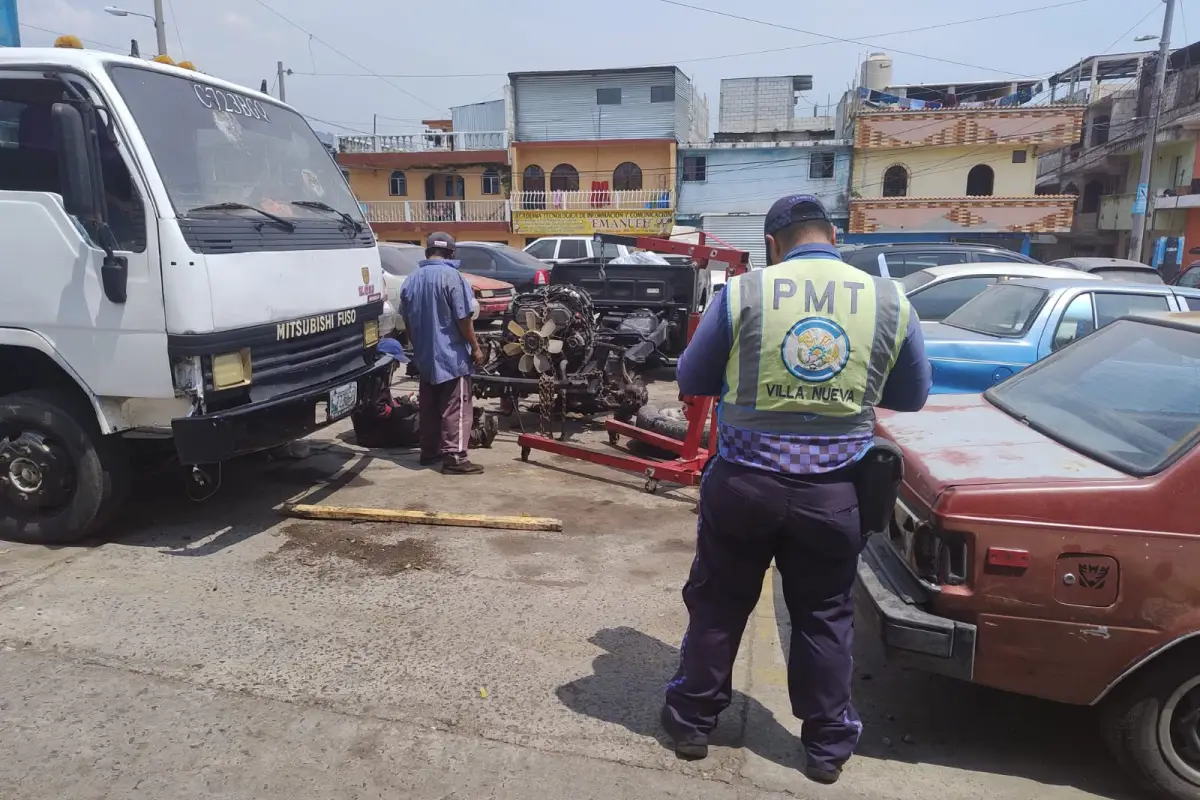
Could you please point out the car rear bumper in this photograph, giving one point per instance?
(221, 435)
(890, 602)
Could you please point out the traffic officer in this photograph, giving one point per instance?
(799, 354)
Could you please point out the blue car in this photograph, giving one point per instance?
(1016, 323)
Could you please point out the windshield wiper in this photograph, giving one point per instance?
(319, 206)
(290, 227)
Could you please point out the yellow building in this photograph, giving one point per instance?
(926, 171)
(594, 152)
(442, 180)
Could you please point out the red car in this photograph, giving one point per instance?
(400, 260)
(1047, 540)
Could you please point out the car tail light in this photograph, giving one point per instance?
(542, 278)
(1007, 557)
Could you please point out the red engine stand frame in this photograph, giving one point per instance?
(700, 412)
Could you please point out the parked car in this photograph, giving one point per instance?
(898, 260)
(504, 263)
(1113, 269)
(400, 260)
(1013, 324)
(1045, 541)
(936, 292)
(557, 249)
(1190, 277)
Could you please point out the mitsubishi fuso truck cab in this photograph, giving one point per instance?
(180, 259)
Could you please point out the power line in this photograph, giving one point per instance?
(1132, 28)
(352, 60)
(838, 38)
(175, 21)
(880, 35)
(60, 33)
(399, 75)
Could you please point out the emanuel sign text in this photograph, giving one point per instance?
(651, 222)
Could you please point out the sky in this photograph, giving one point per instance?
(470, 45)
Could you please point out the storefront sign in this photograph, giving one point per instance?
(647, 222)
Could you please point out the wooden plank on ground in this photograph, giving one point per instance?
(421, 517)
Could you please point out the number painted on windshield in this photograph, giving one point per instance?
(212, 97)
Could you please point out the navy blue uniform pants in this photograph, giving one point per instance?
(809, 525)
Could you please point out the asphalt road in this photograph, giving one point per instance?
(217, 650)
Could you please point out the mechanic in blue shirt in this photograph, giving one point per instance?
(800, 354)
(436, 304)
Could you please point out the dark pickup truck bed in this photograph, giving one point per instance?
(669, 292)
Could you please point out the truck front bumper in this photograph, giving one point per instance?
(221, 435)
(890, 601)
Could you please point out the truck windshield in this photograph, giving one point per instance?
(213, 146)
(1002, 310)
(1127, 395)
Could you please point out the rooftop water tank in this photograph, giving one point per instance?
(877, 72)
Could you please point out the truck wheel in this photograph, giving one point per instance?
(60, 479)
(1153, 725)
(667, 421)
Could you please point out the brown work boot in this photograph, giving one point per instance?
(462, 468)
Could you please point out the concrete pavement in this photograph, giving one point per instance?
(217, 650)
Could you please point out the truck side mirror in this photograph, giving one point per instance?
(74, 166)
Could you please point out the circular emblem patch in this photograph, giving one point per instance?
(815, 349)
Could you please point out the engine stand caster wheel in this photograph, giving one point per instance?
(525, 453)
(651, 484)
(614, 438)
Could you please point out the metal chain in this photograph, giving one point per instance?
(546, 404)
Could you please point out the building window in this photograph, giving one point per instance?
(455, 190)
(533, 186)
(627, 177)
(662, 94)
(491, 181)
(820, 166)
(398, 185)
(695, 169)
(608, 97)
(981, 181)
(895, 182)
(564, 178)
(1020, 156)
(1100, 130)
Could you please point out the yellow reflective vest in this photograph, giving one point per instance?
(813, 342)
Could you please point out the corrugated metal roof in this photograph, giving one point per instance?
(622, 71)
(479, 117)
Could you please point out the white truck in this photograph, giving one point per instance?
(180, 259)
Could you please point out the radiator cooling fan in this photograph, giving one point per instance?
(535, 342)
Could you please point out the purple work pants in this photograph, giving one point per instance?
(809, 525)
(445, 419)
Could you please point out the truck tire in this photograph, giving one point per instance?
(60, 478)
(1153, 725)
(667, 421)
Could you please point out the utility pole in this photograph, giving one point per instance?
(160, 27)
(279, 73)
(1137, 233)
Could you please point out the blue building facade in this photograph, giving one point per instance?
(726, 188)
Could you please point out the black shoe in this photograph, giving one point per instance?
(689, 747)
(827, 777)
(429, 462)
(462, 468)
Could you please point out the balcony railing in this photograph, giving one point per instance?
(593, 200)
(419, 211)
(431, 142)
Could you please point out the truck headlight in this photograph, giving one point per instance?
(230, 370)
(371, 333)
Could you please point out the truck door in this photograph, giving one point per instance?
(51, 268)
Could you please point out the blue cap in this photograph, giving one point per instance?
(792, 209)
(392, 349)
